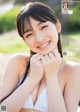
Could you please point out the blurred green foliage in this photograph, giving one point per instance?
(73, 22)
(7, 20)
(11, 44)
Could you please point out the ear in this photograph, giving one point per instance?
(58, 26)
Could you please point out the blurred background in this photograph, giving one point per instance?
(11, 43)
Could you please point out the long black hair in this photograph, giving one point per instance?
(40, 12)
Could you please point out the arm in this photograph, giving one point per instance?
(55, 97)
(69, 102)
(11, 75)
(51, 65)
(17, 99)
(72, 89)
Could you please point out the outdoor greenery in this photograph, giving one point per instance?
(73, 21)
(11, 45)
(7, 20)
(71, 45)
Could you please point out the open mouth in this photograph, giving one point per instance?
(45, 44)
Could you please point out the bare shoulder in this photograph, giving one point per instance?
(73, 67)
(16, 65)
(19, 58)
(72, 70)
(72, 86)
(18, 62)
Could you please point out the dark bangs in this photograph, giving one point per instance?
(39, 12)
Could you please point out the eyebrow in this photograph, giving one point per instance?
(39, 23)
(26, 31)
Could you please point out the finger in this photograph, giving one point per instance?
(36, 57)
(47, 58)
(56, 53)
(40, 61)
(44, 61)
(51, 55)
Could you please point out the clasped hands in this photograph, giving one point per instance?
(45, 64)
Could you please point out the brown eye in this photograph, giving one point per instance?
(44, 27)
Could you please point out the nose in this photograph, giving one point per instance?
(39, 37)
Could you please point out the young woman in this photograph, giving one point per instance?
(43, 82)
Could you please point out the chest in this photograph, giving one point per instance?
(40, 88)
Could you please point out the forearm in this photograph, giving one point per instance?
(55, 97)
(17, 99)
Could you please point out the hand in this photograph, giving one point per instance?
(51, 62)
(36, 66)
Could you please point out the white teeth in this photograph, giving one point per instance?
(42, 46)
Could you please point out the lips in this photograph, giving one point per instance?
(45, 44)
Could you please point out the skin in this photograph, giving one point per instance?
(52, 71)
(35, 38)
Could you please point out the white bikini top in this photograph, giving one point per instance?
(41, 104)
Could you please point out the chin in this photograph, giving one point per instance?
(46, 52)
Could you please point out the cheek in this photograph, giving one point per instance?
(30, 42)
(52, 33)
(55, 38)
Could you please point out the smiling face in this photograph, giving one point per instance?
(41, 37)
